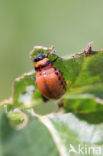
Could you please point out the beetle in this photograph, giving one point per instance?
(49, 79)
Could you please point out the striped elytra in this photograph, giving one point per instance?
(49, 79)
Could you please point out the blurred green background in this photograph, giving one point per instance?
(67, 24)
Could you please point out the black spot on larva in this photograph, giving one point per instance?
(61, 82)
(59, 78)
(54, 68)
(56, 73)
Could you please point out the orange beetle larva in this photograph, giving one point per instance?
(49, 79)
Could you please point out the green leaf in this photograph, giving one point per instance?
(33, 139)
(86, 94)
(82, 103)
(85, 106)
(52, 135)
(72, 131)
